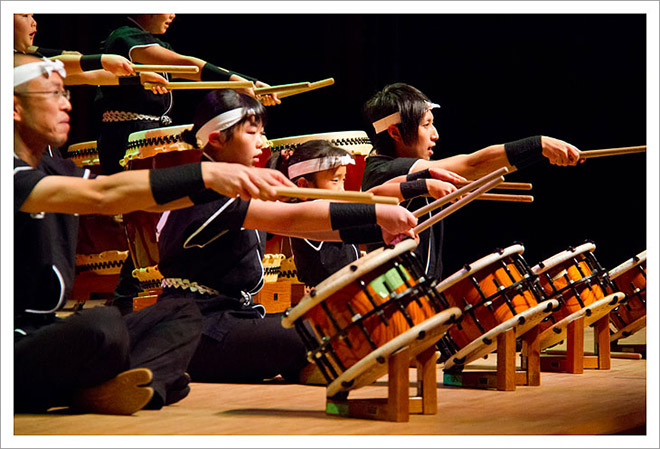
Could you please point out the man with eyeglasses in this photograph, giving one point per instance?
(94, 360)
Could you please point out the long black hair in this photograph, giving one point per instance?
(218, 101)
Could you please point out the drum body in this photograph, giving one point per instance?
(97, 234)
(152, 148)
(489, 292)
(630, 279)
(362, 307)
(357, 143)
(575, 278)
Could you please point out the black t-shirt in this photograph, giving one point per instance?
(44, 243)
(316, 261)
(206, 244)
(379, 169)
(135, 99)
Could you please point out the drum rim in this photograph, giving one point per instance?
(344, 277)
(328, 136)
(627, 265)
(318, 136)
(147, 152)
(538, 313)
(434, 323)
(596, 310)
(478, 265)
(562, 257)
(75, 146)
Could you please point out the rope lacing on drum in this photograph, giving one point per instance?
(154, 141)
(100, 265)
(185, 284)
(337, 142)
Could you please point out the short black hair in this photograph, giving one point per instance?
(409, 101)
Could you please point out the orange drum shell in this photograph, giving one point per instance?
(633, 308)
(568, 300)
(378, 331)
(467, 330)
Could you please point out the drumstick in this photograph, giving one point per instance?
(324, 194)
(460, 192)
(503, 186)
(612, 152)
(313, 86)
(457, 205)
(202, 85)
(165, 68)
(280, 88)
(503, 197)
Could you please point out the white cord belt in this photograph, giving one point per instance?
(122, 116)
(185, 284)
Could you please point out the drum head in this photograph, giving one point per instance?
(562, 257)
(628, 265)
(152, 142)
(84, 154)
(355, 142)
(344, 277)
(487, 343)
(477, 266)
(373, 366)
(591, 313)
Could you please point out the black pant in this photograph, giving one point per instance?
(94, 345)
(254, 349)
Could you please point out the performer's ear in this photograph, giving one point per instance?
(394, 133)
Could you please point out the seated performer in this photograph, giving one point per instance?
(94, 70)
(403, 136)
(126, 109)
(321, 165)
(94, 360)
(212, 252)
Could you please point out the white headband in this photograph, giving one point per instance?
(318, 164)
(219, 123)
(394, 119)
(27, 72)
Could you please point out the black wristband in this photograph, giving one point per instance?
(346, 215)
(211, 72)
(204, 196)
(129, 80)
(422, 174)
(90, 62)
(169, 184)
(362, 234)
(49, 52)
(524, 152)
(412, 189)
(249, 78)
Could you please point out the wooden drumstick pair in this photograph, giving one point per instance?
(482, 185)
(324, 194)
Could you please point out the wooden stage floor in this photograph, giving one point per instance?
(596, 402)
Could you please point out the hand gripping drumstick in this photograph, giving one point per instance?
(313, 86)
(457, 205)
(324, 194)
(202, 85)
(460, 192)
(612, 152)
(165, 68)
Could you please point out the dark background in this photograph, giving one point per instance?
(579, 78)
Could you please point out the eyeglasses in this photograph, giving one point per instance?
(58, 93)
